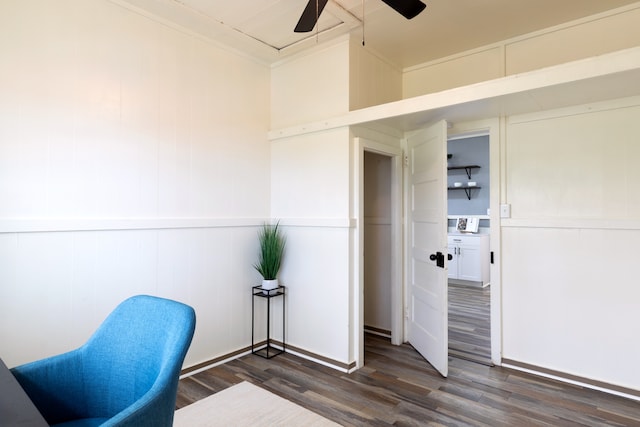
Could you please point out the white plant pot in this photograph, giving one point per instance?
(269, 285)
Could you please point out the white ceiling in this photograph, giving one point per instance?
(264, 28)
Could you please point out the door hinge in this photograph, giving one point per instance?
(406, 160)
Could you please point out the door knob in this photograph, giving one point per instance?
(438, 257)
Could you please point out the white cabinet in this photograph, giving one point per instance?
(470, 257)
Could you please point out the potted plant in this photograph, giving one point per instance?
(272, 243)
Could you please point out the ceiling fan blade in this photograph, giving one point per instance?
(310, 16)
(407, 8)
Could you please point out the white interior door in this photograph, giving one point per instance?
(427, 245)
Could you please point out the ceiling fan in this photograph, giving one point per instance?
(407, 8)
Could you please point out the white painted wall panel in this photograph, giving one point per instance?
(316, 273)
(460, 70)
(109, 118)
(311, 87)
(591, 36)
(568, 290)
(582, 39)
(156, 139)
(311, 175)
(37, 262)
(60, 286)
(569, 302)
(372, 81)
(310, 187)
(588, 157)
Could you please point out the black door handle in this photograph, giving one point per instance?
(438, 257)
(449, 257)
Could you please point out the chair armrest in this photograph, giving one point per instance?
(55, 385)
(153, 409)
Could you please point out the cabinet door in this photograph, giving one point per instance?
(452, 265)
(470, 262)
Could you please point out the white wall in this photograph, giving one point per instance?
(569, 293)
(133, 159)
(567, 175)
(310, 189)
(459, 70)
(329, 81)
(311, 86)
(568, 250)
(311, 192)
(373, 81)
(314, 195)
(610, 31)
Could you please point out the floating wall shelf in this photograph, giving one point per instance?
(467, 169)
(467, 190)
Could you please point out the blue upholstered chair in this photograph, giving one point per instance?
(126, 374)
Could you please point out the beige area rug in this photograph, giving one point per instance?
(245, 404)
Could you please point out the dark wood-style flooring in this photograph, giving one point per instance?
(469, 323)
(397, 387)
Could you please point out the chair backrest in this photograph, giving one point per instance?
(132, 362)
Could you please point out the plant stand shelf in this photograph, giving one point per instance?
(266, 349)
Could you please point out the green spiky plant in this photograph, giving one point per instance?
(272, 243)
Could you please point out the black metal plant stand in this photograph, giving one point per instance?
(268, 351)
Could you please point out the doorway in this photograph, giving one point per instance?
(377, 243)
(399, 305)
(421, 320)
(382, 253)
(469, 289)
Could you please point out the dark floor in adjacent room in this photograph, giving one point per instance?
(469, 323)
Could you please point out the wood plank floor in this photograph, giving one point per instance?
(469, 323)
(397, 387)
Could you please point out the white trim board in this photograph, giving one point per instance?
(44, 225)
(600, 78)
